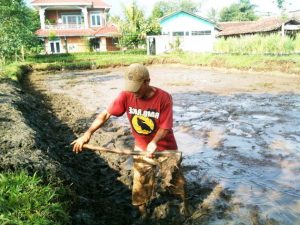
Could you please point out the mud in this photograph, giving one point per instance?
(239, 133)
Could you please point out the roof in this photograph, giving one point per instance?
(109, 30)
(249, 27)
(94, 3)
(182, 11)
(62, 33)
(106, 31)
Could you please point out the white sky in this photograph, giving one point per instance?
(262, 5)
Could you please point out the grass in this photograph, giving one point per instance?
(14, 71)
(86, 61)
(27, 199)
(258, 44)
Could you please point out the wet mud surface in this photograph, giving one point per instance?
(239, 134)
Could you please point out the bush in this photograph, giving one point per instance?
(297, 43)
(54, 67)
(15, 71)
(256, 44)
(78, 66)
(25, 199)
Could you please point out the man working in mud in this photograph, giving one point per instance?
(150, 113)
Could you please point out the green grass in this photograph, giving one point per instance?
(86, 61)
(14, 71)
(27, 199)
(258, 44)
(259, 62)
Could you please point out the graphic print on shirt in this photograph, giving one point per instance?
(143, 121)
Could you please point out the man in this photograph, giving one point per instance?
(149, 110)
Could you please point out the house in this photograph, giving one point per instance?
(267, 25)
(185, 31)
(75, 26)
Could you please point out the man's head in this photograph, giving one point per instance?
(135, 76)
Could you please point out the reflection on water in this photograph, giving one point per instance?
(249, 144)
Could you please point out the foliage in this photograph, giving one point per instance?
(242, 11)
(257, 44)
(213, 15)
(131, 26)
(297, 43)
(162, 8)
(175, 46)
(280, 3)
(18, 24)
(134, 27)
(14, 71)
(255, 62)
(26, 199)
(52, 36)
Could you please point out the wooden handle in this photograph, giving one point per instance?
(126, 152)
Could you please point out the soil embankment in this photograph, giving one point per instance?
(35, 135)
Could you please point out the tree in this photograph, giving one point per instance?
(280, 4)
(134, 27)
(213, 15)
(18, 24)
(162, 8)
(242, 11)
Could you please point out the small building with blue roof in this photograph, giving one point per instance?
(185, 31)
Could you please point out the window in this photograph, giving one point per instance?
(95, 19)
(71, 18)
(178, 33)
(55, 46)
(201, 32)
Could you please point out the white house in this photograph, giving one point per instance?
(184, 30)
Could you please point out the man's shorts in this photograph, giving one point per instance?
(150, 174)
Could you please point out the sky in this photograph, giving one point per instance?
(262, 5)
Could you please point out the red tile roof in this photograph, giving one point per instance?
(249, 27)
(107, 31)
(95, 3)
(62, 33)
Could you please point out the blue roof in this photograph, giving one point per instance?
(174, 14)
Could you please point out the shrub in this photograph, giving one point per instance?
(78, 66)
(256, 44)
(14, 71)
(25, 199)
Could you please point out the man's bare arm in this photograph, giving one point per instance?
(152, 146)
(97, 123)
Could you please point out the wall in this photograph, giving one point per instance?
(187, 23)
(75, 44)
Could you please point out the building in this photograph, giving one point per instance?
(75, 26)
(285, 26)
(185, 31)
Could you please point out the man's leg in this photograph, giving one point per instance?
(143, 183)
(174, 179)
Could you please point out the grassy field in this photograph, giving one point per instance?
(27, 199)
(283, 63)
(85, 61)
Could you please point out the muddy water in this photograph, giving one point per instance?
(238, 131)
(247, 143)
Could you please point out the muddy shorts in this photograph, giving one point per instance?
(150, 175)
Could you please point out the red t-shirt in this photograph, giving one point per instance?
(146, 116)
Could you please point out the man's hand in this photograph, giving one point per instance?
(151, 148)
(79, 142)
